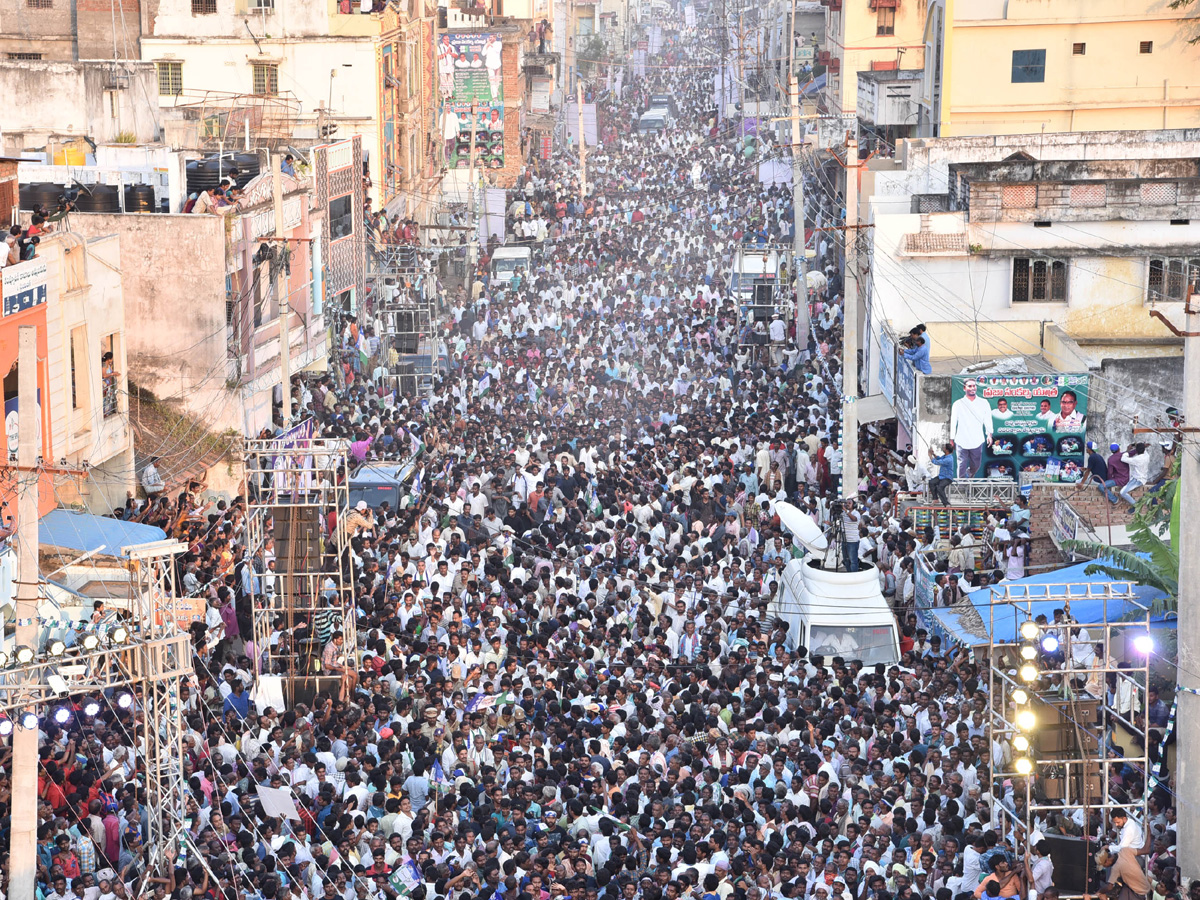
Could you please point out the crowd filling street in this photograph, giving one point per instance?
(569, 679)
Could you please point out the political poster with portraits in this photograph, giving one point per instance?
(1038, 422)
(471, 73)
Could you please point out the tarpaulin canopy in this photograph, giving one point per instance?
(971, 623)
(83, 532)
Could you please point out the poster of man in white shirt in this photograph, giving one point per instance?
(970, 428)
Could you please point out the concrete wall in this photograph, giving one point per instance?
(59, 101)
(72, 29)
(1112, 85)
(174, 285)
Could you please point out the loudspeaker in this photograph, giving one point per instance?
(1073, 863)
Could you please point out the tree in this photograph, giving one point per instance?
(1154, 562)
(1183, 4)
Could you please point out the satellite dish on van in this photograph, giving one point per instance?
(804, 530)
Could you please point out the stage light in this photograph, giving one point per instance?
(1029, 672)
(1023, 765)
(1026, 720)
(91, 709)
(62, 715)
(56, 647)
(1028, 651)
(125, 700)
(1143, 644)
(1050, 643)
(91, 641)
(1020, 743)
(1020, 697)
(29, 720)
(1029, 630)
(6, 726)
(25, 654)
(119, 635)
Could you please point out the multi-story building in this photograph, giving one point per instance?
(70, 30)
(1028, 66)
(864, 36)
(1050, 250)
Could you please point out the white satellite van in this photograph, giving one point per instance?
(830, 612)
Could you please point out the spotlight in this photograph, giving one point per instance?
(1020, 743)
(120, 634)
(62, 715)
(56, 647)
(1050, 643)
(91, 709)
(1026, 720)
(1143, 644)
(1020, 697)
(1029, 672)
(25, 654)
(91, 641)
(29, 720)
(1029, 630)
(6, 726)
(1023, 765)
(1028, 651)
(125, 700)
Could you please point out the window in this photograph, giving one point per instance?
(40, 4)
(1028, 66)
(1159, 193)
(1079, 49)
(266, 79)
(414, 72)
(109, 376)
(1039, 280)
(204, 7)
(1170, 277)
(79, 381)
(170, 78)
(885, 21)
(341, 217)
(24, 57)
(1019, 196)
(1146, 47)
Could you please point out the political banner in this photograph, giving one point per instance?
(1037, 423)
(471, 74)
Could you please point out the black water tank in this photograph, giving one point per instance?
(202, 175)
(41, 193)
(99, 198)
(140, 198)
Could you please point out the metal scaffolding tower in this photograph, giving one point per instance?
(298, 489)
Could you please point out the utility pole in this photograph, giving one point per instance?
(850, 331)
(23, 847)
(799, 257)
(582, 144)
(473, 246)
(281, 291)
(1187, 694)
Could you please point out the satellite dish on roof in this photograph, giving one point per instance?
(803, 529)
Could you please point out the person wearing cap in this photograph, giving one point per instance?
(1118, 469)
(1098, 472)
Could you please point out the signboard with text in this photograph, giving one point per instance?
(24, 286)
(1038, 423)
(471, 75)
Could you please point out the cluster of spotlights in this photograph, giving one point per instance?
(1025, 718)
(61, 715)
(57, 647)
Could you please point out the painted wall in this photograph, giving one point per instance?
(1111, 84)
(851, 35)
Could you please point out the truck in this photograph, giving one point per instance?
(828, 611)
(507, 260)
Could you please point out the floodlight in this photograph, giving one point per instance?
(1026, 720)
(1020, 743)
(119, 635)
(1020, 697)
(6, 726)
(91, 709)
(1029, 630)
(1143, 644)
(91, 641)
(29, 720)
(1028, 651)
(25, 654)
(1029, 672)
(1023, 765)
(125, 700)
(56, 647)
(1050, 643)
(62, 715)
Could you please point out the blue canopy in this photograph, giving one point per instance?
(83, 532)
(971, 624)
(814, 87)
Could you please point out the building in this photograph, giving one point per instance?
(202, 304)
(1049, 250)
(62, 31)
(342, 261)
(1028, 66)
(72, 293)
(247, 74)
(54, 106)
(868, 35)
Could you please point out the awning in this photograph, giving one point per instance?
(83, 532)
(875, 408)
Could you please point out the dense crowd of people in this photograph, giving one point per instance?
(568, 676)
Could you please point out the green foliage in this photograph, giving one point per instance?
(1154, 562)
(1183, 4)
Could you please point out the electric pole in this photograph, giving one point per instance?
(1187, 694)
(281, 291)
(582, 145)
(850, 332)
(23, 847)
(799, 258)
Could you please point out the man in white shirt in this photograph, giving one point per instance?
(1128, 847)
(970, 428)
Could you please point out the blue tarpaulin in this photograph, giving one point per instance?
(84, 532)
(1048, 591)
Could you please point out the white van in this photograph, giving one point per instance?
(506, 261)
(830, 612)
